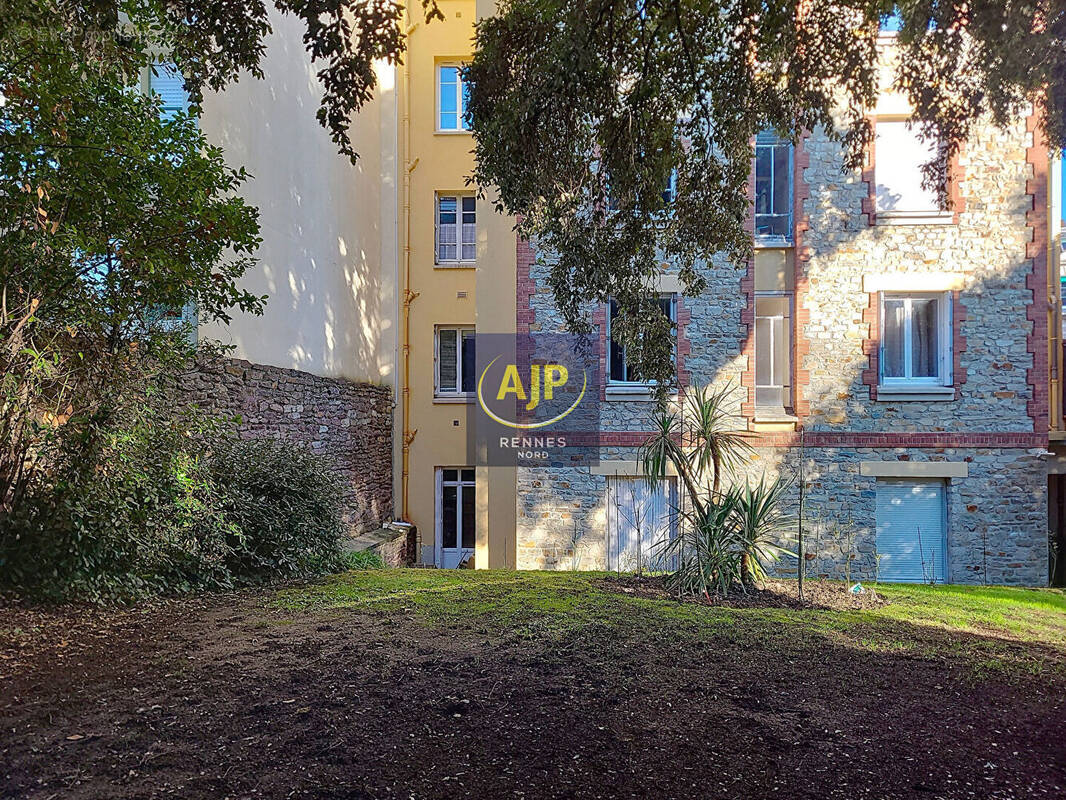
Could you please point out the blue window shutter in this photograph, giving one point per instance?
(167, 82)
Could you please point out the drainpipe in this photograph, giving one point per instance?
(408, 294)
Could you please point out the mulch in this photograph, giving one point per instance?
(817, 594)
(231, 698)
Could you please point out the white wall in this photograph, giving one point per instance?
(326, 263)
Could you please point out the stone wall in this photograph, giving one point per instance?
(996, 421)
(993, 536)
(348, 423)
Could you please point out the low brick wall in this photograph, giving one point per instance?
(349, 423)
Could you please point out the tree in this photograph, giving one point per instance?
(582, 111)
(212, 43)
(726, 536)
(112, 220)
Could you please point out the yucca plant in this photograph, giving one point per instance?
(727, 537)
(706, 561)
(760, 524)
(700, 442)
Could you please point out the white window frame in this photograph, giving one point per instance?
(438, 504)
(944, 341)
(440, 392)
(460, 101)
(642, 385)
(786, 397)
(763, 240)
(459, 260)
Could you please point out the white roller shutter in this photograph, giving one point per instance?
(640, 521)
(168, 83)
(911, 540)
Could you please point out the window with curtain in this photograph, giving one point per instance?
(455, 362)
(915, 339)
(456, 234)
(899, 154)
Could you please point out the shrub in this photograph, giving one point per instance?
(172, 504)
(146, 517)
(728, 536)
(287, 504)
(728, 540)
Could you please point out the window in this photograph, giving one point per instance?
(456, 228)
(911, 531)
(773, 188)
(167, 82)
(899, 155)
(456, 515)
(892, 22)
(451, 98)
(619, 370)
(916, 339)
(773, 351)
(641, 521)
(670, 192)
(455, 362)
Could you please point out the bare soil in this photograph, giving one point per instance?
(826, 595)
(232, 698)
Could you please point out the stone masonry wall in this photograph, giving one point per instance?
(993, 536)
(348, 423)
(995, 423)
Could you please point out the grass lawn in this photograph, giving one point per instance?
(422, 683)
(1000, 629)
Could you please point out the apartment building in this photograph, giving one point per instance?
(897, 359)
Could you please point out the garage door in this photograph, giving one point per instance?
(911, 540)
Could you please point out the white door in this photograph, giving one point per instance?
(911, 532)
(640, 520)
(456, 531)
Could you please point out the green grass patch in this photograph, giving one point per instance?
(995, 630)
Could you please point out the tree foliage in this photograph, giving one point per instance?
(581, 111)
(112, 221)
(213, 42)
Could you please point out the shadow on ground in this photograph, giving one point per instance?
(247, 695)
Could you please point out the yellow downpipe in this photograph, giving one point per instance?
(408, 294)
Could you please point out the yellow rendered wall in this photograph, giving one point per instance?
(497, 277)
(439, 162)
(442, 162)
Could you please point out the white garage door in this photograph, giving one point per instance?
(911, 540)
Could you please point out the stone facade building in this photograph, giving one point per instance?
(890, 355)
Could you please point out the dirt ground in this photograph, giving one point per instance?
(234, 698)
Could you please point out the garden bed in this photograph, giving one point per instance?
(829, 595)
